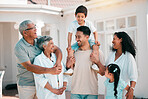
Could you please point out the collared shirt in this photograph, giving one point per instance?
(25, 52)
(42, 79)
(127, 65)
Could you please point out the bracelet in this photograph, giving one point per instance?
(132, 88)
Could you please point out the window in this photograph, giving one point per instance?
(106, 29)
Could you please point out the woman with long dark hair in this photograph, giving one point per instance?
(123, 55)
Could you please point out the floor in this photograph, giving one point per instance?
(13, 94)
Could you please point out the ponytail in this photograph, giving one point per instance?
(114, 69)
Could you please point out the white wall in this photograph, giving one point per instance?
(7, 61)
(138, 8)
(13, 1)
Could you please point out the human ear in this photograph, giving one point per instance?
(44, 46)
(24, 33)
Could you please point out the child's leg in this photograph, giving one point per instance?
(75, 46)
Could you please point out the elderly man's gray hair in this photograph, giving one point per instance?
(24, 25)
(43, 41)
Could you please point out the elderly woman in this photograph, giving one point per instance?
(124, 56)
(48, 86)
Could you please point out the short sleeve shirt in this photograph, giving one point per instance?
(110, 89)
(74, 25)
(25, 52)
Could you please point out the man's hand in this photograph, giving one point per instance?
(97, 43)
(94, 58)
(70, 62)
(56, 70)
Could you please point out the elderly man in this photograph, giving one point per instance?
(84, 79)
(26, 50)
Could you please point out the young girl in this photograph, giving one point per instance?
(113, 83)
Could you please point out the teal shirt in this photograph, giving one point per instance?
(25, 52)
(110, 89)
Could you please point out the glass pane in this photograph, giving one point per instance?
(109, 38)
(132, 34)
(120, 23)
(100, 26)
(132, 21)
(110, 25)
(101, 40)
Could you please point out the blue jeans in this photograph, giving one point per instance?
(81, 96)
(75, 45)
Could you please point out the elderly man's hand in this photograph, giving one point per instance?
(56, 70)
(94, 58)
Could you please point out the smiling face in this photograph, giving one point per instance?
(30, 32)
(81, 38)
(80, 17)
(117, 42)
(49, 47)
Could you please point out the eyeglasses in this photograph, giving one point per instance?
(31, 28)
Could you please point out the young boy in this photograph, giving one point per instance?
(81, 14)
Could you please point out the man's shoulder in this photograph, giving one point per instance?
(19, 44)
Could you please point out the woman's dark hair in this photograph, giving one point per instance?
(127, 43)
(81, 9)
(114, 69)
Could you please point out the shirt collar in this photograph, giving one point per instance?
(26, 43)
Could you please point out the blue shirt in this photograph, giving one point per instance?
(25, 52)
(110, 89)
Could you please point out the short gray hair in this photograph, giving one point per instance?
(43, 41)
(24, 25)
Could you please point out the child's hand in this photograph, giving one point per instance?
(97, 43)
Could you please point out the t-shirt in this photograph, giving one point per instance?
(25, 52)
(74, 25)
(110, 89)
(84, 79)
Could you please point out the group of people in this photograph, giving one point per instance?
(43, 75)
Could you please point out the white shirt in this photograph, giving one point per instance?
(127, 65)
(42, 79)
(74, 25)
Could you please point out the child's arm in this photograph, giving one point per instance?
(69, 39)
(96, 38)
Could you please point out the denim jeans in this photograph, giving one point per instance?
(82, 96)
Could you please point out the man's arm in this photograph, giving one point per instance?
(41, 70)
(58, 54)
(95, 58)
